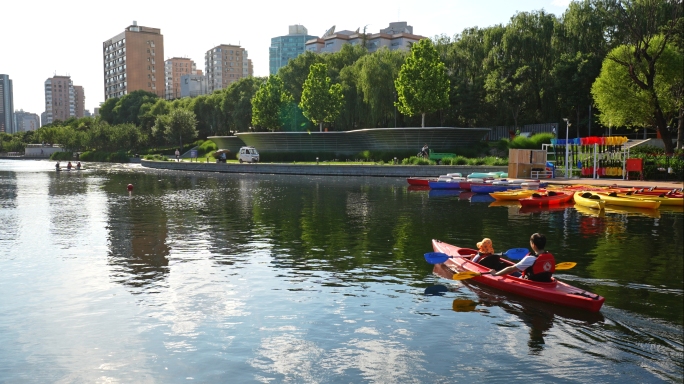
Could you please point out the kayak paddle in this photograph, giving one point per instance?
(469, 274)
(439, 257)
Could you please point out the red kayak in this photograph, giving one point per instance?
(555, 292)
(422, 181)
(548, 198)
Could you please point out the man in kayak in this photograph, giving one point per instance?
(486, 257)
(78, 166)
(538, 265)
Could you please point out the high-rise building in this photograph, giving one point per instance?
(26, 121)
(60, 97)
(6, 105)
(174, 69)
(193, 85)
(286, 48)
(398, 36)
(79, 101)
(226, 64)
(134, 60)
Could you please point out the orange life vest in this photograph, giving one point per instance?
(542, 269)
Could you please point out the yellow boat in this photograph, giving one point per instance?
(671, 201)
(590, 203)
(512, 195)
(613, 199)
(593, 212)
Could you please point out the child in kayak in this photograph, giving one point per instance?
(486, 257)
(538, 265)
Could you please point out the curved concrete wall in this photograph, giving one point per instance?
(440, 139)
(232, 143)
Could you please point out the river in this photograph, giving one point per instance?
(205, 277)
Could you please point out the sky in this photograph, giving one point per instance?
(43, 38)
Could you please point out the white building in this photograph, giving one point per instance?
(398, 36)
(26, 121)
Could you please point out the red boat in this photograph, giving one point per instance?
(547, 198)
(422, 181)
(555, 292)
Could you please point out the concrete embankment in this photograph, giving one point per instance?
(325, 169)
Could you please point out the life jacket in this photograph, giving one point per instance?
(542, 269)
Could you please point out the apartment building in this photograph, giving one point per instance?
(60, 99)
(225, 64)
(285, 48)
(6, 105)
(134, 60)
(79, 101)
(398, 36)
(174, 69)
(26, 121)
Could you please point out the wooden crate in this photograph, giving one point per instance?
(519, 171)
(538, 157)
(512, 156)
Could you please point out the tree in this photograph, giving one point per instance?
(178, 125)
(375, 80)
(651, 26)
(268, 104)
(321, 100)
(422, 85)
(622, 102)
(510, 92)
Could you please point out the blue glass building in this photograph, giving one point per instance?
(284, 48)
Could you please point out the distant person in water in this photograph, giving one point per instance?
(78, 166)
(538, 265)
(69, 166)
(57, 166)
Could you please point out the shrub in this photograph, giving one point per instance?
(62, 156)
(102, 156)
(156, 157)
(205, 147)
(413, 160)
(534, 142)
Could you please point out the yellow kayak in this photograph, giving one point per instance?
(622, 210)
(673, 201)
(593, 212)
(512, 195)
(614, 199)
(595, 203)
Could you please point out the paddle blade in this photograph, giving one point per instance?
(566, 265)
(436, 290)
(516, 253)
(465, 275)
(436, 257)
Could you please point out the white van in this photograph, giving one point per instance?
(248, 154)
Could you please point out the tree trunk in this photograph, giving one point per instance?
(422, 124)
(320, 127)
(661, 126)
(680, 128)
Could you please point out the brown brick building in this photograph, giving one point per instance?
(226, 64)
(174, 68)
(79, 101)
(60, 97)
(134, 60)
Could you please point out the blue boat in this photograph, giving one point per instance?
(443, 184)
(489, 188)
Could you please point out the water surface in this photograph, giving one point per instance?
(260, 278)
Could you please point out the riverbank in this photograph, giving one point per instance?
(331, 169)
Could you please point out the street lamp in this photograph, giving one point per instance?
(567, 146)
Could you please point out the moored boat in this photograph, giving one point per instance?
(588, 202)
(423, 181)
(614, 199)
(555, 292)
(664, 199)
(450, 184)
(547, 198)
(513, 195)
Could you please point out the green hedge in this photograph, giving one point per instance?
(105, 157)
(62, 156)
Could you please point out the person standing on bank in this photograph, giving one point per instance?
(177, 155)
(538, 265)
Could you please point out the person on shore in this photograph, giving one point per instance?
(538, 265)
(485, 255)
(177, 155)
(424, 151)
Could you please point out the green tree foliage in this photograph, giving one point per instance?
(269, 103)
(236, 103)
(321, 100)
(178, 126)
(651, 26)
(422, 85)
(126, 109)
(624, 103)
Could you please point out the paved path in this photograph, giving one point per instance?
(619, 183)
